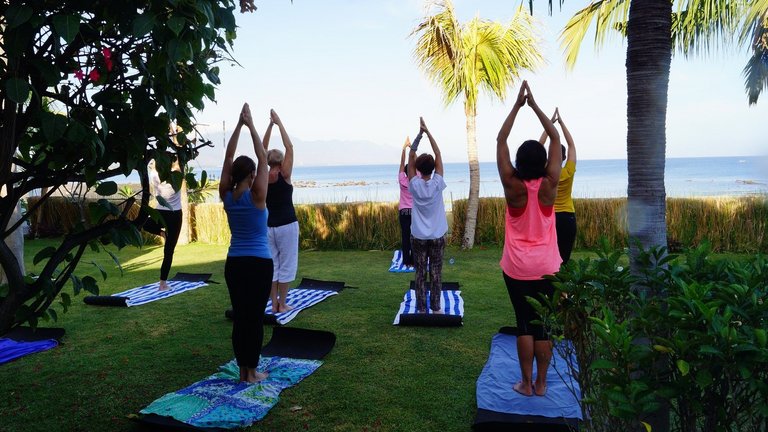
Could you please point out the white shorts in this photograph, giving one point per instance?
(284, 245)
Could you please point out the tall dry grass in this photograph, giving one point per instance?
(729, 224)
(209, 224)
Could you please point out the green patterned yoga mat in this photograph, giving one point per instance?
(222, 401)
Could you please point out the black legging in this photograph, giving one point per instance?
(172, 219)
(405, 236)
(249, 281)
(524, 312)
(565, 224)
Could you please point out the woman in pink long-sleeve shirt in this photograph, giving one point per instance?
(530, 238)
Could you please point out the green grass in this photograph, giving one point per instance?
(379, 377)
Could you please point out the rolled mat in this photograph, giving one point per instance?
(221, 402)
(180, 283)
(499, 407)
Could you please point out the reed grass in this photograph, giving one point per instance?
(209, 224)
(729, 224)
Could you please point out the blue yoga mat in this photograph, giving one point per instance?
(397, 265)
(11, 349)
(502, 371)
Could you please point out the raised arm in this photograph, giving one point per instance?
(268, 134)
(503, 159)
(543, 137)
(568, 140)
(435, 148)
(225, 184)
(402, 155)
(412, 155)
(260, 183)
(554, 154)
(287, 167)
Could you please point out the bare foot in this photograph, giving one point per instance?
(421, 311)
(274, 309)
(163, 286)
(285, 308)
(438, 312)
(523, 389)
(540, 389)
(243, 374)
(255, 376)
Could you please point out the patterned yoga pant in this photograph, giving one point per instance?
(428, 252)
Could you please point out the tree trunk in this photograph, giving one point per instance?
(474, 180)
(649, 54)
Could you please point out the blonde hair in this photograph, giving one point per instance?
(275, 157)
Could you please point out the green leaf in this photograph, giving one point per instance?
(143, 24)
(603, 364)
(66, 300)
(44, 254)
(760, 336)
(117, 262)
(90, 285)
(662, 348)
(703, 378)
(77, 284)
(648, 427)
(53, 126)
(67, 26)
(53, 314)
(683, 367)
(106, 188)
(17, 89)
(17, 15)
(176, 24)
(101, 270)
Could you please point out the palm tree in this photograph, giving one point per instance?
(462, 59)
(653, 30)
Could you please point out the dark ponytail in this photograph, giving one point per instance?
(242, 167)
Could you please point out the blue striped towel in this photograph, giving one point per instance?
(149, 293)
(300, 299)
(451, 303)
(397, 264)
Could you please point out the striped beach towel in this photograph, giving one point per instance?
(397, 264)
(149, 293)
(300, 299)
(451, 303)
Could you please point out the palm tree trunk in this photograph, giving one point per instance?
(649, 54)
(474, 179)
(184, 235)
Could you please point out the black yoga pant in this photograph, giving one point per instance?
(172, 219)
(524, 312)
(565, 224)
(405, 236)
(249, 280)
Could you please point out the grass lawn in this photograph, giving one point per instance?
(379, 377)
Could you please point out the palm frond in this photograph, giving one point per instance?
(756, 71)
(701, 26)
(608, 16)
(497, 53)
(438, 48)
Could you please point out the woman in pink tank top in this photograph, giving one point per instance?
(530, 239)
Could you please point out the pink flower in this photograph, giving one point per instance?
(94, 75)
(79, 75)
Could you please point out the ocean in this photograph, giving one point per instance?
(684, 177)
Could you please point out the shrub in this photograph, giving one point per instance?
(686, 331)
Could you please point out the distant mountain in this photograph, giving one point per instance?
(309, 153)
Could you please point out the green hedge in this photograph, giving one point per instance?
(730, 224)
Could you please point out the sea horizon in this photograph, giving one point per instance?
(594, 178)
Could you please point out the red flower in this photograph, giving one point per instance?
(108, 63)
(107, 53)
(94, 75)
(79, 75)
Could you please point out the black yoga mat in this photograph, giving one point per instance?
(27, 334)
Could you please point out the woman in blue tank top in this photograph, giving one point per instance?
(248, 269)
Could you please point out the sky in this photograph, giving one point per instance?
(342, 77)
